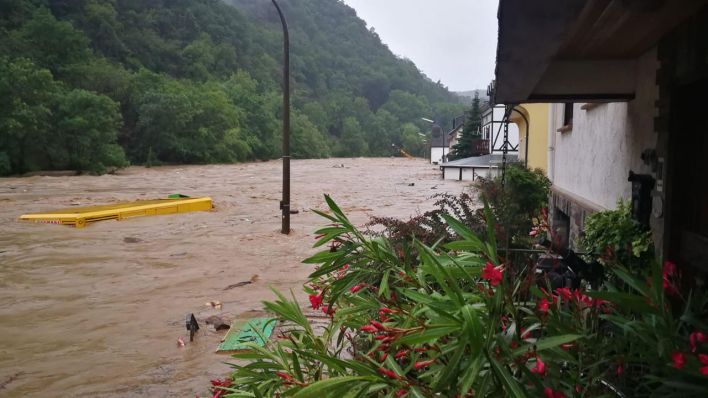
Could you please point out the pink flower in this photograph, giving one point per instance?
(316, 301)
(678, 359)
(564, 292)
(703, 358)
(669, 268)
(696, 337)
(668, 271)
(543, 306)
(549, 393)
(217, 386)
(491, 274)
(328, 310)
(540, 368)
(582, 298)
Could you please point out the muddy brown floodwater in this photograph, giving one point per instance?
(87, 312)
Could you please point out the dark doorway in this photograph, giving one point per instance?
(688, 182)
(561, 229)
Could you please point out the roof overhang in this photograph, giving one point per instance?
(579, 50)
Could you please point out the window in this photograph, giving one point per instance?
(568, 114)
(567, 118)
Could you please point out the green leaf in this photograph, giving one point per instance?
(546, 343)
(625, 300)
(470, 374)
(323, 388)
(632, 281)
(429, 334)
(511, 386)
(322, 257)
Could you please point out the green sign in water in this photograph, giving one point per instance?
(256, 330)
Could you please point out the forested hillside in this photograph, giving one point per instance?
(91, 84)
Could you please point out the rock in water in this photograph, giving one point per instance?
(217, 323)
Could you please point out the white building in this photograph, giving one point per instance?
(439, 146)
(472, 168)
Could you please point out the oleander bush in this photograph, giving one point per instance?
(451, 320)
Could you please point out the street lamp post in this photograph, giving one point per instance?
(285, 203)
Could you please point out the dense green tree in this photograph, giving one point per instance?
(307, 141)
(51, 43)
(44, 125)
(352, 142)
(412, 140)
(86, 127)
(260, 126)
(26, 94)
(187, 123)
(408, 107)
(199, 81)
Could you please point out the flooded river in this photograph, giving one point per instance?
(97, 311)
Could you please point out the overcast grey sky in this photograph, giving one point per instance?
(453, 41)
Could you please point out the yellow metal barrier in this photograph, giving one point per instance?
(80, 216)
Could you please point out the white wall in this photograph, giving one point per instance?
(453, 173)
(594, 159)
(492, 130)
(437, 154)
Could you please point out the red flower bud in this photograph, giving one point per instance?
(388, 373)
(703, 358)
(378, 325)
(401, 354)
(422, 364)
(697, 338)
(678, 359)
(368, 329)
(356, 288)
